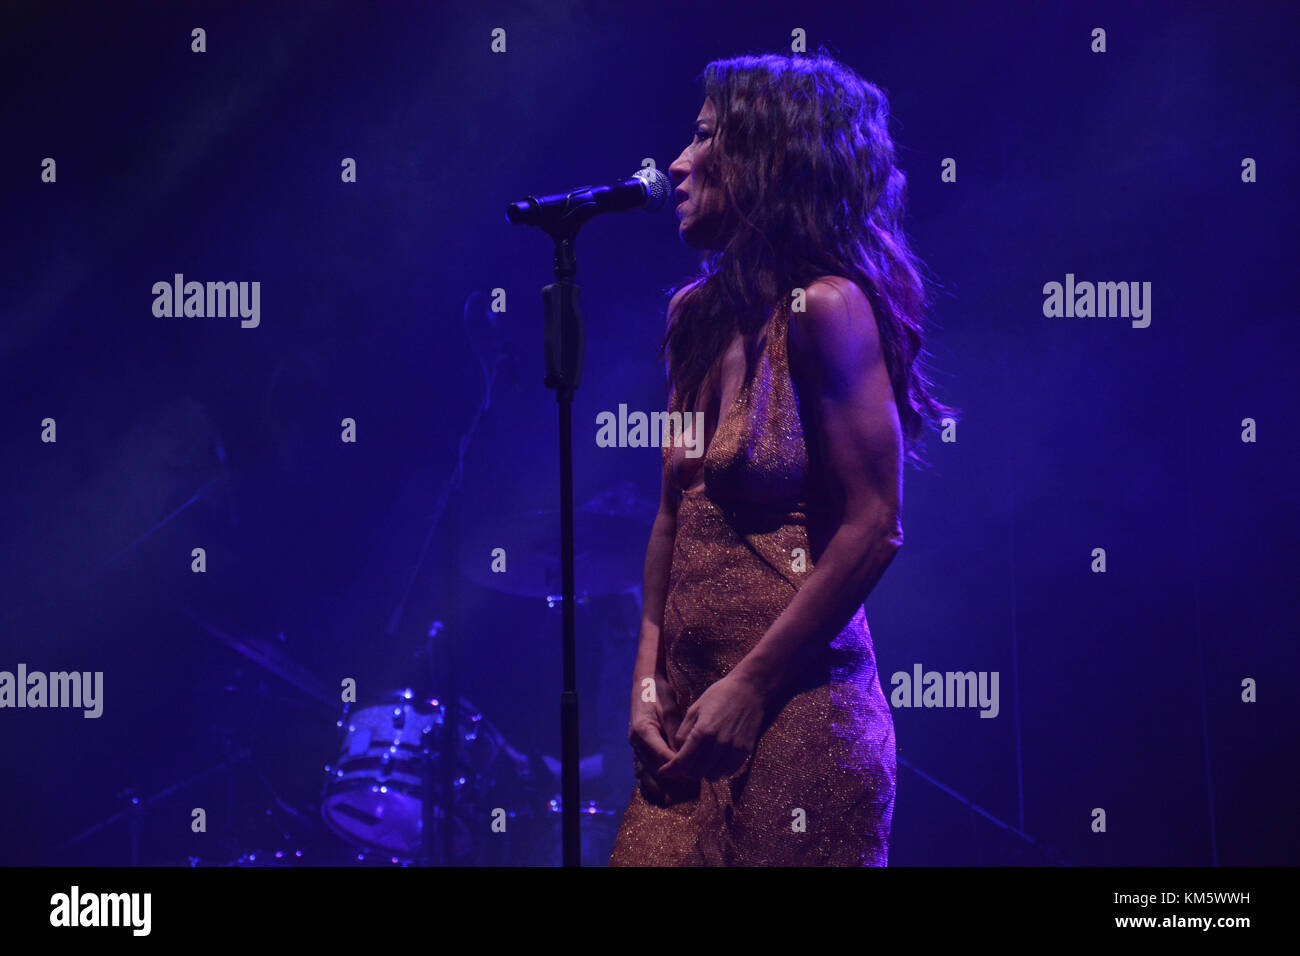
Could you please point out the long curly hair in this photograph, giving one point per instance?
(803, 156)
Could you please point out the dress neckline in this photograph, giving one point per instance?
(700, 485)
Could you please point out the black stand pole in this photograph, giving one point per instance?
(564, 349)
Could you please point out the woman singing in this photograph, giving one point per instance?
(759, 727)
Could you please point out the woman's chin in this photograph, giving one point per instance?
(691, 236)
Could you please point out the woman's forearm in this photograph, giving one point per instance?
(854, 561)
(654, 591)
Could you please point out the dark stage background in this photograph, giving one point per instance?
(328, 560)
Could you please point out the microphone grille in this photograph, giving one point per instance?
(658, 187)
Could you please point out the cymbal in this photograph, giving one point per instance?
(263, 652)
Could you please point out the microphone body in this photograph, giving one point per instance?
(648, 189)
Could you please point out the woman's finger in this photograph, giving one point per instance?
(685, 727)
(688, 759)
(657, 749)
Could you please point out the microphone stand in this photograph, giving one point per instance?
(561, 218)
(564, 343)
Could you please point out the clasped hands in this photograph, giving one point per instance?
(712, 740)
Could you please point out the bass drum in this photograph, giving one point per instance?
(374, 793)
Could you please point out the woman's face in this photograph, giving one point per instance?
(700, 205)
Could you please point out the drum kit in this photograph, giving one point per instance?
(380, 791)
(386, 792)
(418, 779)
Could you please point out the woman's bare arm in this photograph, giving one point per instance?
(654, 713)
(658, 562)
(840, 368)
(654, 588)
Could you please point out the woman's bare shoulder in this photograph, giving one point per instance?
(836, 323)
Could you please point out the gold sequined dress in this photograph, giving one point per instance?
(819, 787)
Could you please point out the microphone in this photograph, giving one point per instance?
(648, 189)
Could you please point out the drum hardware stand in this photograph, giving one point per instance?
(1049, 852)
(136, 810)
(431, 833)
(428, 811)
